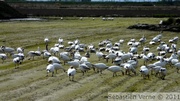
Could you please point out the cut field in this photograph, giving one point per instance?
(29, 81)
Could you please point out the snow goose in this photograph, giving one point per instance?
(177, 65)
(74, 63)
(146, 49)
(133, 50)
(101, 43)
(83, 67)
(151, 56)
(174, 61)
(20, 50)
(54, 50)
(100, 55)
(60, 40)
(162, 62)
(155, 70)
(32, 54)
(16, 62)
(64, 57)
(117, 61)
(54, 59)
(58, 66)
(70, 42)
(50, 68)
(53, 66)
(109, 45)
(20, 55)
(46, 41)
(144, 71)
(135, 44)
(83, 59)
(162, 73)
(134, 62)
(156, 39)
(142, 40)
(173, 47)
(76, 42)
(126, 56)
(174, 40)
(128, 68)
(90, 65)
(117, 44)
(100, 67)
(111, 56)
(3, 57)
(71, 73)
(77, 55)
(121, 41)
(174, 56)
(46, 54)
(152, 43)
(87, 54)
(115, 69)
(7, 50)
(145, 58)
(178, 52)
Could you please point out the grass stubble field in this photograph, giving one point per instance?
(29, 82)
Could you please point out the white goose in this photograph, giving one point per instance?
(60, 40)
(54, 50)
(46, 54)
(46, 41)
(71, 73)
(7, 50)
(111, 56)
(54, 59)
(20, 50)
(83, 67)
(128, 68)
(146, 49)
(64, 57)
(144, 71)
(32, 54)
(115, 69)
(177, 65)
(3, 57)
(20, 55)
(117, 61)
(74, 63)
(100, 67)
(100, 55)
(54, 67)
(58, 66)
(50, 68)
(142, 40)
(161, 63)
(17, 62)
(133, 50)
(77, 55)
(121, 41)
(145, 58)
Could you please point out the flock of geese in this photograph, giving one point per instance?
(77, 56)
